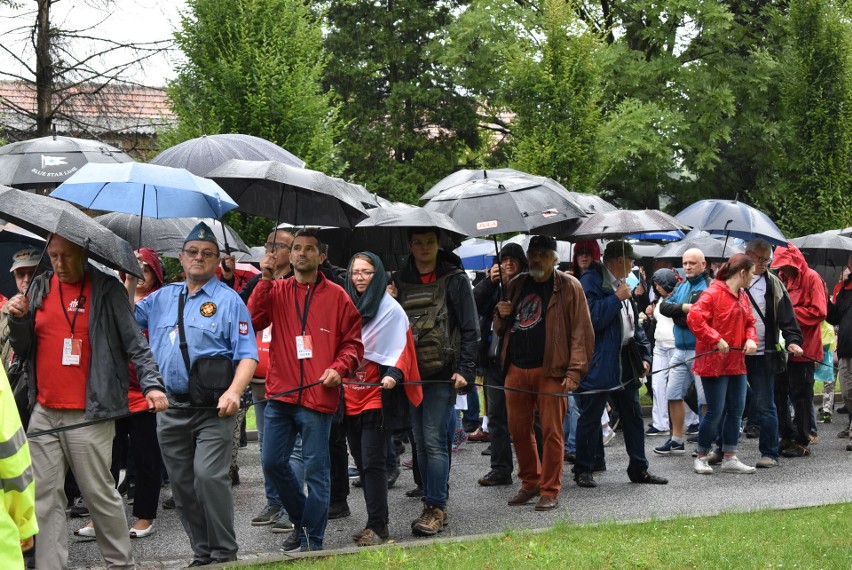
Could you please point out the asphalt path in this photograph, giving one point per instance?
(823, 478)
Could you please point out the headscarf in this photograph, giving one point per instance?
(368, 302)
(152, 260)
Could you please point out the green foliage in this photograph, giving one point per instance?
(255, 67)
(407, 123)
(816, 192)
(556, 98)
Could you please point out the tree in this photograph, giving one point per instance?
(407, 123)
(255, 67)
(815, 193)
(66, 64)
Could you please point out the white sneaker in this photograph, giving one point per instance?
(608, 437)
(734, 465)
(701, 466)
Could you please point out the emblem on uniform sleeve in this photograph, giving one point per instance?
(208, 309)
(243, 327)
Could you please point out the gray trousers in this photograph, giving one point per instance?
(88, 452)
(196, 448)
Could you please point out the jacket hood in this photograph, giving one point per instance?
(790, 255)
(447, 261)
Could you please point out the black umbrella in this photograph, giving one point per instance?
(731, 218)
(592, 203)
(44, 215)
(12, 240)
(528, 204)
(468, 175)
(295, 195)
(167, 235)
(619, 223)
(49, 161)
(711, 247)
(826, 248)
(385, 232)
(203, 154)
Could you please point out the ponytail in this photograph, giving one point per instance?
(738, 262)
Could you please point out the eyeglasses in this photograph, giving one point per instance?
(759, 259)
(206, 253)
(271, 246)
(362, 274)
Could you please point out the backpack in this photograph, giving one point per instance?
(436, 343)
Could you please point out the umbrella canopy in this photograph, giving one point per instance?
(44, 215)
(826, 248)
(619, 223)
(12, 240)
(166, 236)
(591, 203)
(203, 154)
(529, 204)
(476, 254)
(563, 248)
(731, 218)
(145, 189)
(386, 229)
(711, 247)
(295, 195)
(49, 161)
(468, 175)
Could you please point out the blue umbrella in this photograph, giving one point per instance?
(731, 218)
(476, 253)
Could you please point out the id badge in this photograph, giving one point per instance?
(72, 348)
(266, 335)
(304, 347)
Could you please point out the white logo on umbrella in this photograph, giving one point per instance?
(52, 161)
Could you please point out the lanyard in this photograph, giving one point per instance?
(308, 296)
(81, 303)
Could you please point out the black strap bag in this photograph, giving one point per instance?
(209, 376)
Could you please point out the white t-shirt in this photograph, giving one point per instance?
(758, 292)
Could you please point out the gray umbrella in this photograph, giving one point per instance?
(712, 248)
(167, 235)
(287, 194)
(826, 248)
(44, 215)
(203, 154)
(620, 223)
(49, 161)
(592, 203)
(468, 175)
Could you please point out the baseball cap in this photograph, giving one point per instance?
(25, 258)
(615, 249)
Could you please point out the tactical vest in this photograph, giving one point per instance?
(436, 342)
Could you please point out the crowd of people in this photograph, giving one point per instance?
(344, 362)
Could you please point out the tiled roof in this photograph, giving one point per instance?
(96, 109)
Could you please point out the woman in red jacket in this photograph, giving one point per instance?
(723, 325)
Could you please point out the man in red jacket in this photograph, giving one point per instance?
(808, 293)
(316, 341)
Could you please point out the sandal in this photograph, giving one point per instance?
(86, 532)
(141, 532)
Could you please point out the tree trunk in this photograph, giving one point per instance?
(44, 70)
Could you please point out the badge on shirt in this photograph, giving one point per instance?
(304, 347)
(266, 335)
(72, 348)
(208, 309)
(243, 328)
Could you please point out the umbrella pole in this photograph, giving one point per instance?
(141, 211)
(499, 269)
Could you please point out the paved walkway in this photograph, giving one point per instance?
(823, 478)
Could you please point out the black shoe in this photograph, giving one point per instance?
(585, 480)
(293, 543)
(79, 509)
(357, 483)
(392, 477)
(849, 447)
(599, 467)
(693, 439)
(338, 510)
(470, 427)
(486, 451)
(195, 563)
(235, 477)
(495, 478)
(752, 431)
(645, 477)
(415, 492)
(169, 503)
(842, 410)
(570, 457)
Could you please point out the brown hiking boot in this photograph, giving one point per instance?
(430, 523)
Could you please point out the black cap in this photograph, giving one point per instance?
(616, 249)
(541, 243)
(513, 250)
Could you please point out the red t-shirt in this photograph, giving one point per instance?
(359, 399)
(263, 337)
(61, 386)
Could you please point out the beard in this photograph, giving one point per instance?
(537, 272)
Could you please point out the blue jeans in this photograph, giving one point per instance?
(725, 402)
(260, 402)
(570, 425)
(430, 425)
(763, 412)
(283, 423)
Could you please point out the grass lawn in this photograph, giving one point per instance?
(802, 538)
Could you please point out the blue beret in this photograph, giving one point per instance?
(202, 232)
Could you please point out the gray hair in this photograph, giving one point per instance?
(758, 243)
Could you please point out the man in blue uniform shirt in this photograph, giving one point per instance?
(196, 443)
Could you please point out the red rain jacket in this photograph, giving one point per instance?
(719, 314)
(808, 293)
